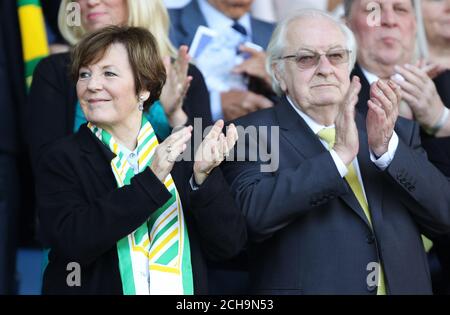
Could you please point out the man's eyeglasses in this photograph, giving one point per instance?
(306, 59)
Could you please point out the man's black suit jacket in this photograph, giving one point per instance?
(438, 152)
(310, 236)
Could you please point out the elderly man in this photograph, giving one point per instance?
(385, 32)
(343, 211)
(231, 95)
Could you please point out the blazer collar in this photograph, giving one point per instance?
(97, 155)
(189, 14)
(89, 143)
(370, 174)
(295, 130)
(259, 37)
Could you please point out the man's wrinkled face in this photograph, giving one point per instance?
(385, 30)
(323, 84)
(234, 9)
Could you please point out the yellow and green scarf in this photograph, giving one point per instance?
(155, 258)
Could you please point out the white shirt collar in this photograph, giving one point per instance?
(370, 77)
(218, 21)
(125, 150)
(131, 156)
(315, 126)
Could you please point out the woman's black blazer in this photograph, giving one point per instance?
(83, 214)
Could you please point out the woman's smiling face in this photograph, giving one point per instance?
(106, 88)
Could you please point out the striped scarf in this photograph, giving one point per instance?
(34, 38)
(155, 258)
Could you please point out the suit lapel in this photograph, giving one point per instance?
(364, 94)
(370, 179)
(190, 18)
(370, 173)
(295, 130)
(258, 36)
(97, 156)
(298, 134)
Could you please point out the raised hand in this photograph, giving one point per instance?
(382, 114)
(419, 92)
(213, 149)
(176, 87)
(239, 103)
(431, 68)
(168, 151)
(254, 65)
(347, 142)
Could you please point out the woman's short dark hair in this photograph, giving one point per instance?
(146, 63)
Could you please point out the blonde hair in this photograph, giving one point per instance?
(149, 14)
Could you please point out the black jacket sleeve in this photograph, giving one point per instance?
(49, 113)
(80, 229)
(220, 223)
(426, 189)
(196, 103)
(270, 201)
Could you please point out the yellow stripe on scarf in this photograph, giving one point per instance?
(172, 235)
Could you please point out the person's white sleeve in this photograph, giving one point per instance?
(193, 184)
(383, 161)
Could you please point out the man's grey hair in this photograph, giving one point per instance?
(277, 43)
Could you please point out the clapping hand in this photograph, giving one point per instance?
(213, 149)
(176, 87)
(419, 92)
(382, 114)
(347, 142)
(168, 151)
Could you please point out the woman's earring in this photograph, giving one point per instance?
(141, 104)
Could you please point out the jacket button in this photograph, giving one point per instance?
(371, 288)
(370, 239)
